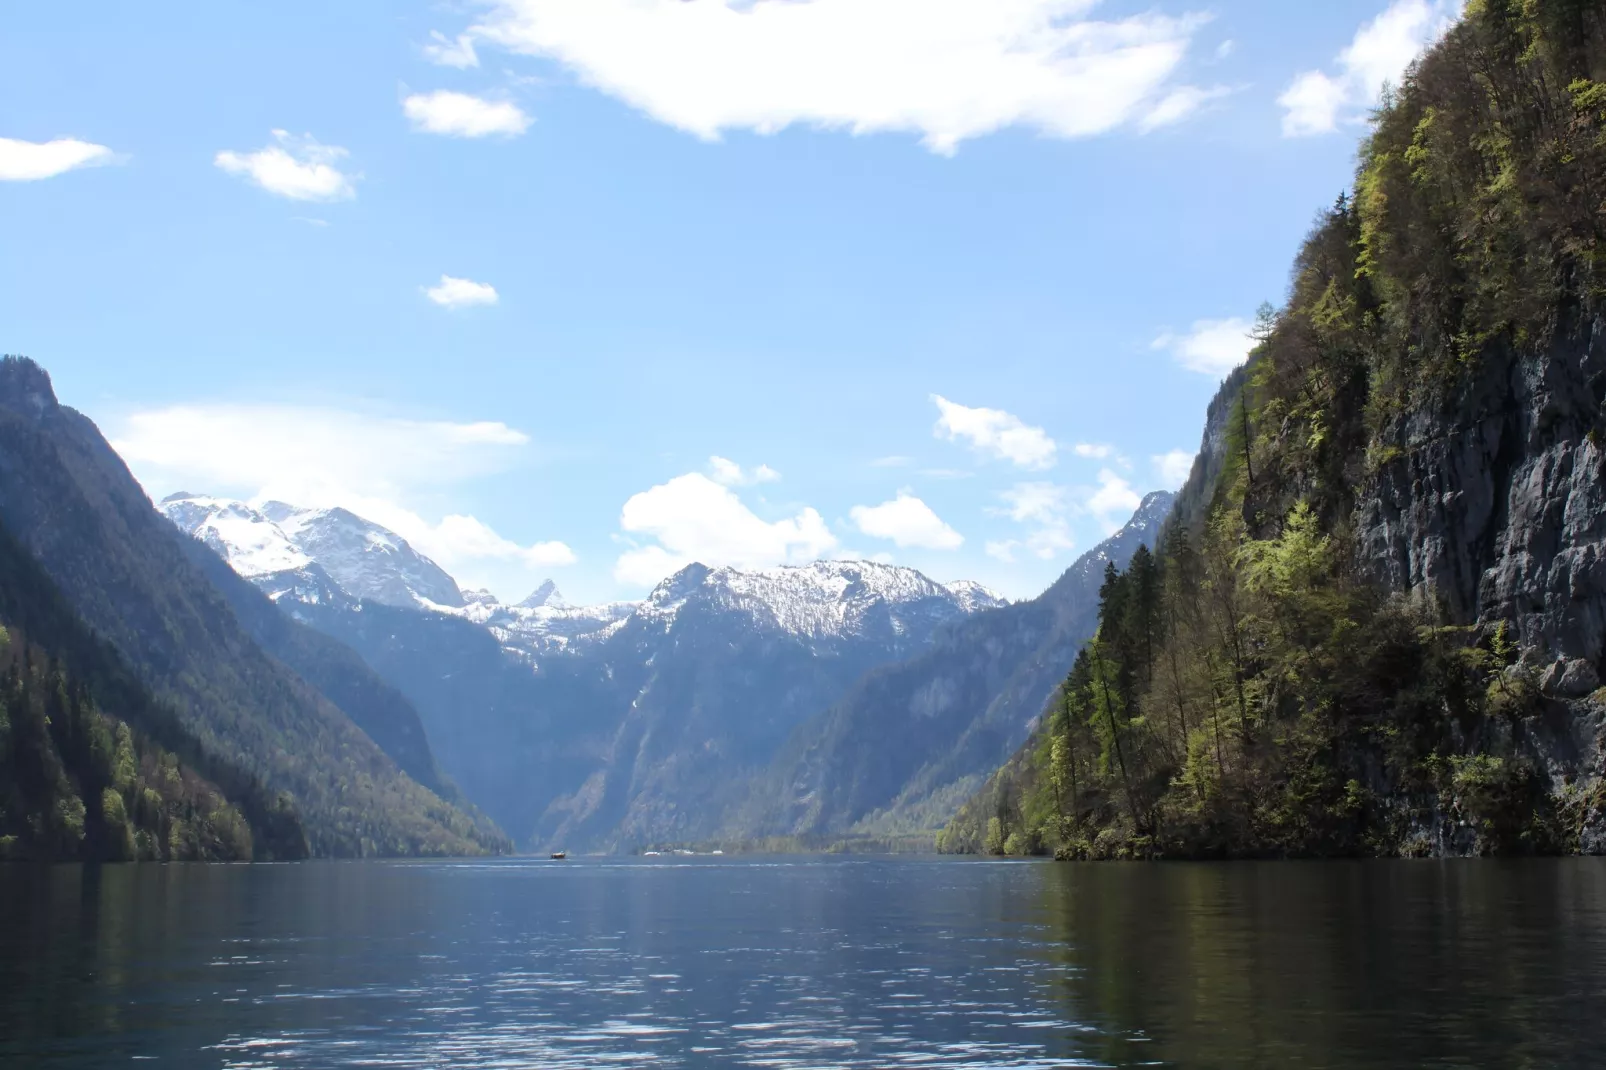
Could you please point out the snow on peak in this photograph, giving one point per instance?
(545, 595)
(974, 597)
(250, 542)
(366, 560)
(819, 600)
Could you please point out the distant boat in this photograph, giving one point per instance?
(559, 856)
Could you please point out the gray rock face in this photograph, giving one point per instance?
(1499, 514)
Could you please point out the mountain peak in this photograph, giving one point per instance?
(367, 561)
(25, 386)
(545, 595)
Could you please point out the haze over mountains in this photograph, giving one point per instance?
(718, 706)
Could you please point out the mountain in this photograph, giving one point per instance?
(93, 767)
(1377, 623)
(910, 740)
(714, 673)
(130, 577)
(613, 725)
(364, 559)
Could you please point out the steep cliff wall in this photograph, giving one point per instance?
(1495, 505)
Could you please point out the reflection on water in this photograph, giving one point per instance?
(805, 963)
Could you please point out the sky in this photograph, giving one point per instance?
(591, 289)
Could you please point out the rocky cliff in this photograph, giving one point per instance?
(1493, 504)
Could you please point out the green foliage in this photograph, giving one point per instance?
(1248, 693)
(76, 784)
(95, 576)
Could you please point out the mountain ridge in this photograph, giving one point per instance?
(71, 501)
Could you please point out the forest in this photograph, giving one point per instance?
(1259, 684)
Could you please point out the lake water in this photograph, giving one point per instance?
(813, 962)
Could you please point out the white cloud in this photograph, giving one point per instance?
(322, 458)
(1318, 102)
(945, 69)
(296, 167)
(1173, 468)
(1179, 104)
(462, 115)
(728, 473)
(29, 161)
(907, 521)
(1045, 507)
(995, 433)
(445, 51)
(1113, 502)
(1311, 104)
(1097, 451)
(1211, 347)
(461, 293)
(693, 518)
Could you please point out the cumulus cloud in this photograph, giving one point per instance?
(1097, 451)
(29, 161)
(1173, 468)
(728, 473)
(693, 518)
(947, 70)
(456, 52)
(1317, 102)
(1210, 347)
(907, 521)
(461, 293)
(995, 433)
(295, 167)
(1045, 508)
(1113, 502)
(462, 115)
(322, 458)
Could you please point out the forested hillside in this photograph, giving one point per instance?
(1376, 624)
(93, 767)
(127, 576)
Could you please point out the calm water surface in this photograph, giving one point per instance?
(805, 963)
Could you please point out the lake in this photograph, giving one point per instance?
(805, 962)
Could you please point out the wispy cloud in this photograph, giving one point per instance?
(446, 51)
(374, 466)
(728, 473)
(995, 433)
(1113, 501)
(1318, 102)
(1173, 468)
(1210, 347)
(1045, 509)
(463, 115)
(30, 161)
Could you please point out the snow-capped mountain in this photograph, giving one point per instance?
(593, 725)
(366, 561)
(827, 599)
(314, 555)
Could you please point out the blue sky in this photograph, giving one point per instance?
(590, 288)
